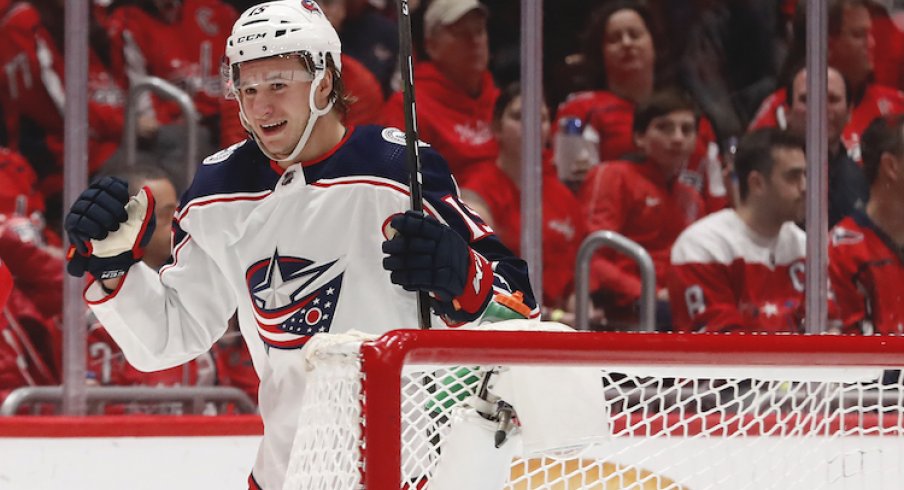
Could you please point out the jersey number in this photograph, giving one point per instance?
(477, 229)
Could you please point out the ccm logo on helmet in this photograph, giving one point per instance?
(250, 37)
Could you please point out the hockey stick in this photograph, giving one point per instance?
(411, 138)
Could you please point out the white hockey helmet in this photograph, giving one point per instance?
(280, 28)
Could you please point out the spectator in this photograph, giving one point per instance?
(32, 51)
(497, 183)
(645, 201)
(851, 51)
(455, 91)
(730, 53)
(6, 284)
(865, 254)
(371, 38)
(743, 269)
(234, 364)
(848, 190)
(30, 337)
(182, 42)
(622, 50)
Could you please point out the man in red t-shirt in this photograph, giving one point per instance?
(866, 253)
(644, 201)
(743, 269)
(455, 91)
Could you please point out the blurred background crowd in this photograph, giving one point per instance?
(676, 123)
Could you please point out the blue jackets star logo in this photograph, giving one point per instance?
(293, 298)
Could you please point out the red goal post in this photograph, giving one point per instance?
(796, 412)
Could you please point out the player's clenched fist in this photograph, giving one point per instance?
(108, 230)
(426, 255)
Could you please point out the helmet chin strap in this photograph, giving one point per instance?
(309, 127)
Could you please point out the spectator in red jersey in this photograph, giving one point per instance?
(866, 253)
(645, 201)
(6, 284)
(364, 90)
(182, 42)
(851, 51)
(621, 44)
(32, 96)
(496, 184)
(234, 365)
(743, 269)
(455, 91)
(30, 337)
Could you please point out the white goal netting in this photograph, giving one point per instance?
(657, 422)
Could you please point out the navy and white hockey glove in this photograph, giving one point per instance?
(107, 230)
(426, 255)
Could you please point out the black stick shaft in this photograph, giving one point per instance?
(411, 138)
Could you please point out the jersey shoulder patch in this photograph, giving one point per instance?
(397, 136)
(845, 236)
(223, 155)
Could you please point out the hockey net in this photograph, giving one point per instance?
(679, 412)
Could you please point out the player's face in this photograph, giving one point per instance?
(627, 44)
(786, 188)
(158, 250)
(669, 141)
(851, 51)
(836, 105)
(274, 96)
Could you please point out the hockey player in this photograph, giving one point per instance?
(743, 269)
(301, 230)
(866, 254)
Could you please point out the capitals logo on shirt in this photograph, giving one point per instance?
(293, 298)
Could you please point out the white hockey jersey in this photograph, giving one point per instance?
(295, 252)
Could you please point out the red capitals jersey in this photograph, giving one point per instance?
(186, 53)
(30, 338)
(234, 365)
(6, 284)
(563, 227)
(867, 269)
(725, 277)
(877, 101)
(455, 124)
(634, 200)
(17, 185)
(612, 117)
(31, 86)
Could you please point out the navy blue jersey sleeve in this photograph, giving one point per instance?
(441, 191)
(380, 152)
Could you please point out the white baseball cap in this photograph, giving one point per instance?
(445, 12)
